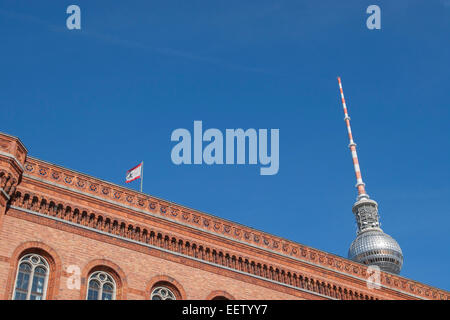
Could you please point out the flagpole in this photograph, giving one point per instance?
(142, 175)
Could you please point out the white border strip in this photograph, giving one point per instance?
(5, 194)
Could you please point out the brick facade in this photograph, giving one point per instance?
(72, 219)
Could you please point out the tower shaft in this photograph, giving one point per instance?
(359, 181)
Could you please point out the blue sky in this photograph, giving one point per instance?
(101, 99)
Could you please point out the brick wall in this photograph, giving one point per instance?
(138, 270)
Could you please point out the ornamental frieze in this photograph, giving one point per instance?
(141, 202)
(106, 223)
(174, 212)
(330, 261)
(152, 205)
(187, 248)
(303, 252)
(185, 215)
(116, 194)
(29, 167)
(129, 198)
(55, 175)
(43, 171)
(81, 183)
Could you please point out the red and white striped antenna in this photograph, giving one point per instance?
(359, 181)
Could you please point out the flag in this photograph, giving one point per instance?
(134, 173)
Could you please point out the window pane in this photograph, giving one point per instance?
(94, 284)
(106, 296)
(38, 283)
(25, 267)
(35, 297)
(107, 292)
(22, 281)
(107, 287)
(92, 295)
(40, 271)
(93, 290)
(20, 296)
(23, 278)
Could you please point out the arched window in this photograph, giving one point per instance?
(162, 293)
(32, 278)
(101, 286)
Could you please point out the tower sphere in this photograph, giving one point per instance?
(374, 247)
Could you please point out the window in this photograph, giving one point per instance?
(220, 298)
(101, 287)
(32, 278)
(162, 293)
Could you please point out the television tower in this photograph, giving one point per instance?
(372, 246)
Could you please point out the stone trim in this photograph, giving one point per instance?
(10, 156)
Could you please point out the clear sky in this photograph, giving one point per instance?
(101, 99)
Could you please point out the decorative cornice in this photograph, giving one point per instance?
(15, 139)
(98, 189)
(10, 156)
(171, 252)
(118, 195)
(70, 212)
(12, 148)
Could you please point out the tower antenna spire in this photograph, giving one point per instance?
(359, 182)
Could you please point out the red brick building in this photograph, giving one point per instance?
(67, 235)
